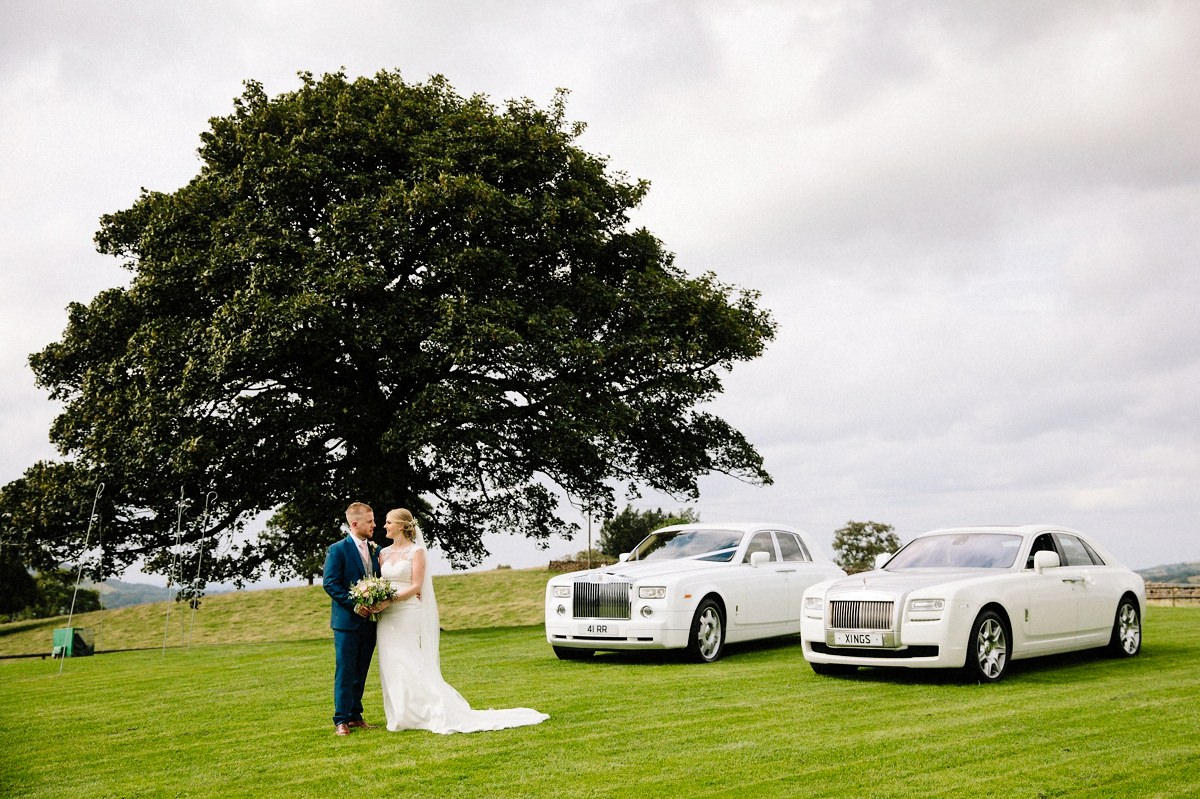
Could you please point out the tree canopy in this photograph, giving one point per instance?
(381, 291)
(857, 543)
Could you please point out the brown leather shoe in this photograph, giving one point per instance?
(362, 725)
(341, 729)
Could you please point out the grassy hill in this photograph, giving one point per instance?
(1172, 573)
(500, 598)
(116, 593)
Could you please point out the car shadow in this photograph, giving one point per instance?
(1039, 668)
(680, 656)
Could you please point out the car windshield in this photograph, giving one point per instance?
(716, 545)
(958, 551)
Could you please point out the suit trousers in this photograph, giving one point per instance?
(352, 651)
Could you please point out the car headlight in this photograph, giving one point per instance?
(652, 592)
(562, 591)
(927, 604)
(814, 603)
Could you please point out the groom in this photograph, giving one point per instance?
(346, 562)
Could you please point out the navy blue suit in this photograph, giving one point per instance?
(353, 636)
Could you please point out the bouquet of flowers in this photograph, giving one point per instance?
(371, 591)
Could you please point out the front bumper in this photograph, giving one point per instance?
(925, 645)
(664, 630)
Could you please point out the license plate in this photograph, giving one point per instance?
(858, 639)
(591, 629)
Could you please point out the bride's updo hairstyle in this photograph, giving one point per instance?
(404, 518)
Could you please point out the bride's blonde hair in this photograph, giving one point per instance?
(404, 518)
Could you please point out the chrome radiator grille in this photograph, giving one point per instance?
(860, 615)
(601, 601)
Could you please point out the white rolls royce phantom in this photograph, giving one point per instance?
(692, 586)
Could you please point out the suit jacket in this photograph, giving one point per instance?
(344, 568)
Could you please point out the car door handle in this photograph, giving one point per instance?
(787, 571)
(1072, 579)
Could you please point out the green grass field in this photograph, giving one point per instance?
(244, 712)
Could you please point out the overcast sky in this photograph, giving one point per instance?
(977, 224)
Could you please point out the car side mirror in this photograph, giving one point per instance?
(759, 558)
(881, 559)
(624, 556)
(1045, 560)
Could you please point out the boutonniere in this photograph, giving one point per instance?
(374, 547)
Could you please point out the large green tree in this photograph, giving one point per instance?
(382, 291)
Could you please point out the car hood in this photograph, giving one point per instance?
(901, 583)
(646, 569)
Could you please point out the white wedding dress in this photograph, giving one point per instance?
(415, 697)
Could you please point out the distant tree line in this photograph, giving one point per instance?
(1172, 573)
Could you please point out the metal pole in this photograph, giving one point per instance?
(183, 503)
(86, 536)
(100, 588)
(209, 498)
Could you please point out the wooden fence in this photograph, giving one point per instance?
(1172, 594)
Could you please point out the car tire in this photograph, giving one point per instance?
(706, 641)
(1126, 638)
(833, 669)
(570, 653)
(988, 648)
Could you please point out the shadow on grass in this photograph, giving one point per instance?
(30, 624)
(1052, 667)
(539, 628)
(662, 657)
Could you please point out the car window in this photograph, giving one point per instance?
(761, 542)
(1096, 559)
(958, 551)
(791, 547)
(1043, 543)
(716, 545)
(1074, 550)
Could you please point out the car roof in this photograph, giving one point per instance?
(1028, 531)
(741, 527)
(1018, 529)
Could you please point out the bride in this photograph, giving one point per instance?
(415, 697)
